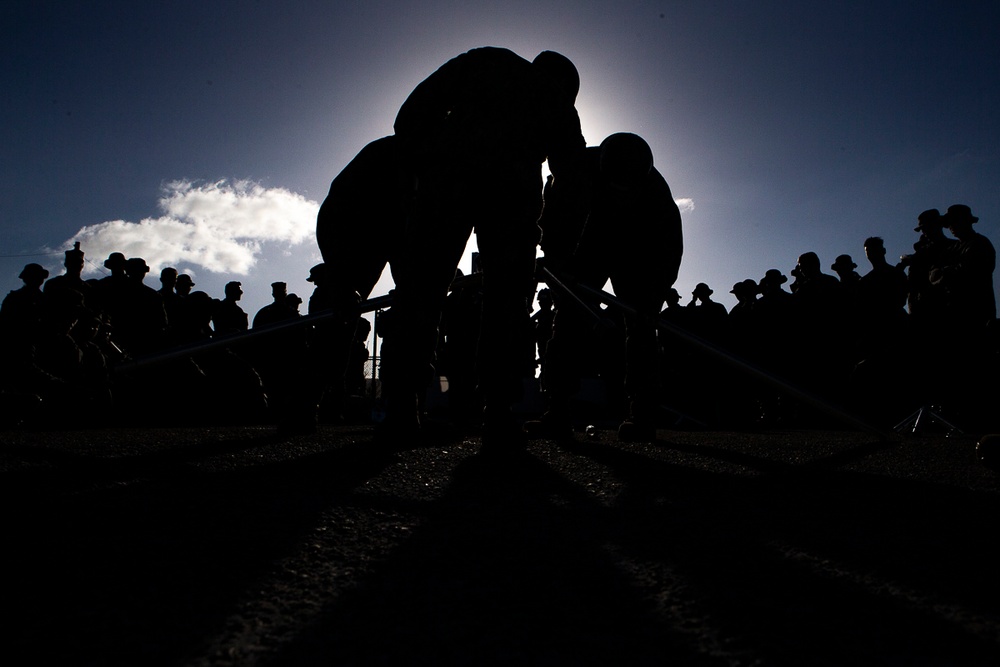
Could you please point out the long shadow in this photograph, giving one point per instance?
(810, 565)
(511, 567)
(143, 573)
(514, 562)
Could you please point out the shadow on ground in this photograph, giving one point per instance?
(217, 547)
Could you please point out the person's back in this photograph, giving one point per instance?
(968, 275)
(485, 107)
(477, 131)
(361, 222)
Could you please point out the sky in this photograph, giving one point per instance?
(204, 135)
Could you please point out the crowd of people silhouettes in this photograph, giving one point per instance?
(879, 342)
(466, 157)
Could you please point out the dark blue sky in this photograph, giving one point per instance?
(783, 127)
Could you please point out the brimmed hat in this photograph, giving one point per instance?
(959, 213)
(700, 289)
(773, 276)
(30, 270)
(748, 286)
(315, 272)
(185, 279)
(929, 218)
(843, 262)
(115, 260)
(133, 264)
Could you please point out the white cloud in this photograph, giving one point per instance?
(219, 226)
(685, 204)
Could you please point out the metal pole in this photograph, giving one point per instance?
(251, 335)
(705, 346)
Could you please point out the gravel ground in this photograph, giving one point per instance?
(240, 546)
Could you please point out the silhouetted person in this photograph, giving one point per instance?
(883, 350)
(819, 296)
(883, 289)
(141, 323)
(745, 292)
(541, 322)
(356, 377)
(705, 317)
(184, 285)
(927, 298)
(329, 344)
(628, 230)
(294, 302)
(72, 279)
(228, 318)
(774, 309)
(845, 268)
(740, 392)
(109, 291)
(360, 229)
(172, 303)
(276, 311)
(967, 278)
(881, 298)
(168, 280)
(283, 361)
(820, 342)
(22, 310)
(477, 131)
(968, 274)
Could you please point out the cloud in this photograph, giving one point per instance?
(685, 204)
(219, 226)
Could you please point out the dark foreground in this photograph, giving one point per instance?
(235, 546)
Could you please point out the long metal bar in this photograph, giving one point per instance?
(696, 341)
(553, 280)
(366, 306)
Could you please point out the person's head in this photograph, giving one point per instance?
(136, 268)
(168, 278)
(200, 307)
(293, 301)
(773, 279)
(115, 263)
(702, 292)
(545, 298)
(929, 222)
(745, 290)
(279, 291)
(843, 264)
(33, 275)
(626, 159)
(808, 265)
(234, 290)
(184, 284)
(673, 297)
(317, 275)
(959, 220)
(559, 74)
(875, 249)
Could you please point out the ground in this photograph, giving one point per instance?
(242, 546)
